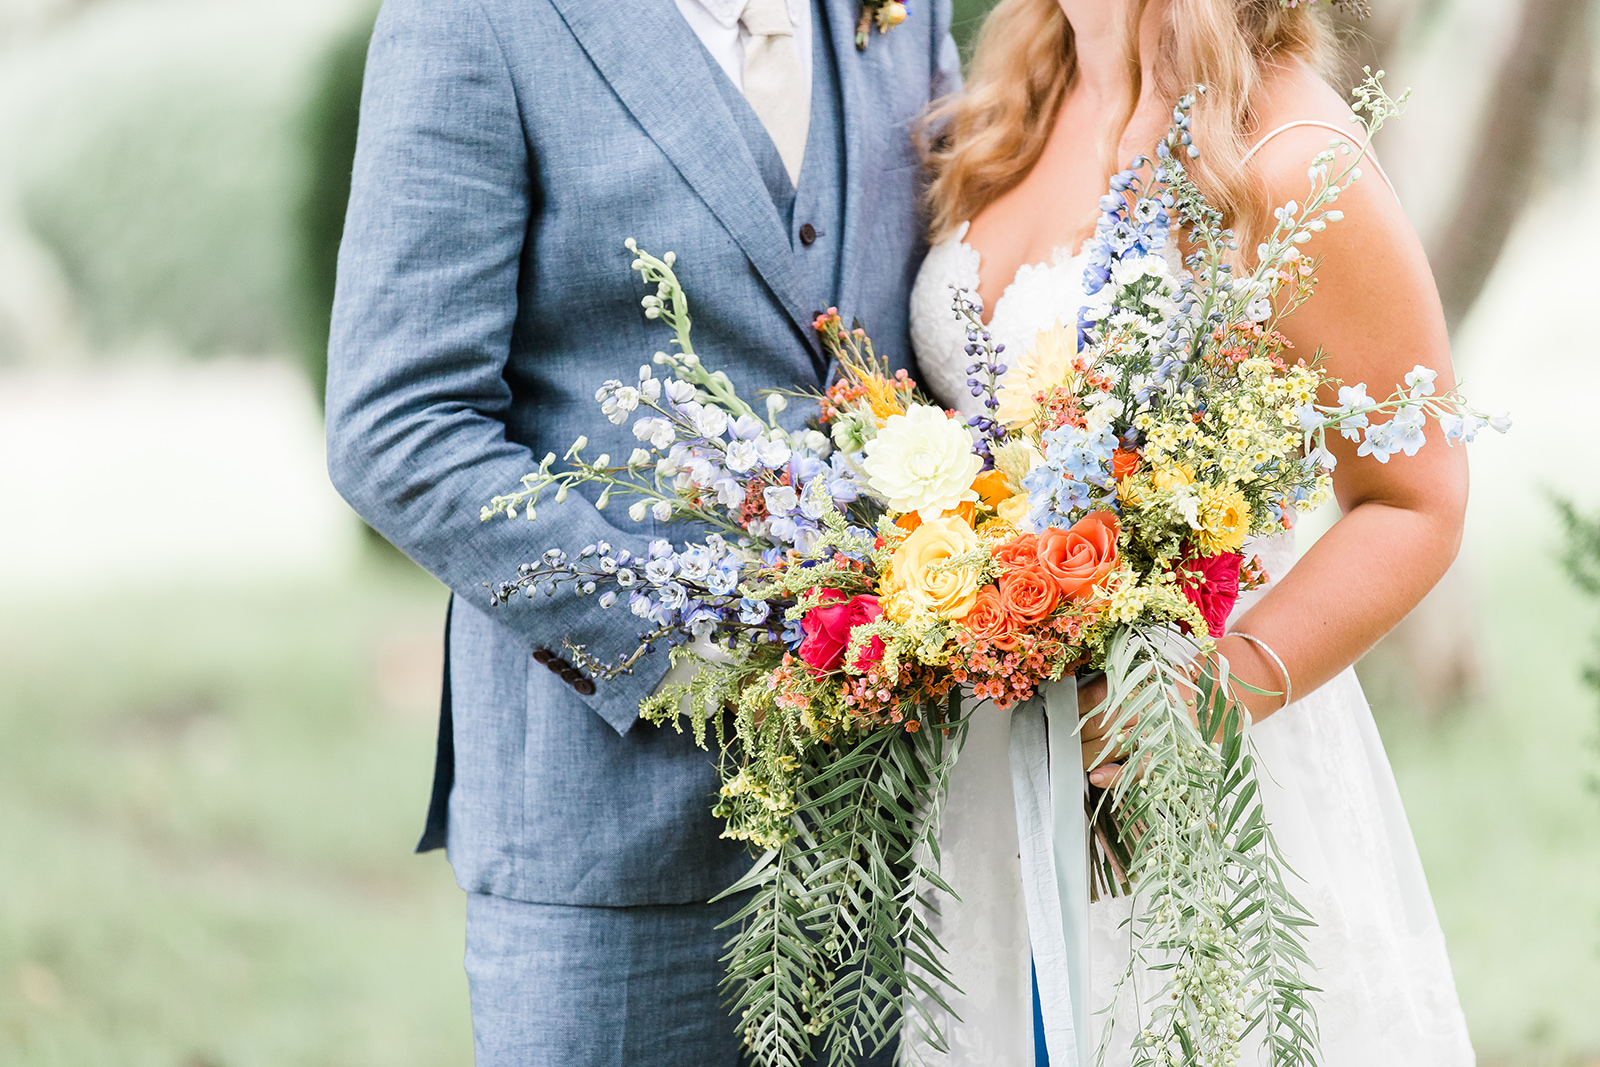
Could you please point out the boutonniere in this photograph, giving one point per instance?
(886, 13)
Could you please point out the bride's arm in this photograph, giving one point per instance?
(1376, 315)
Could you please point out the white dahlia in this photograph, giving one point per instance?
(922, 461)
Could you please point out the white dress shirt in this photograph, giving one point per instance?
(717, 24)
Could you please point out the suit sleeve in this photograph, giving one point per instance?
(423, 317)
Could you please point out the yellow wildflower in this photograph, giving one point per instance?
(1172, 477)
(1224, 520)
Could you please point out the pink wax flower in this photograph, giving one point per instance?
(1212, 584)
(827, 628)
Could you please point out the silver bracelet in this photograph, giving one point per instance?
(1288, 685)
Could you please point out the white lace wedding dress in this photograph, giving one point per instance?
(1388, 998)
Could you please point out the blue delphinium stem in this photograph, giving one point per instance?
(983, 373)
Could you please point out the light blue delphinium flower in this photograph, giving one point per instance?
(1419, 382)
(816, 500)
(793, 635)
(1354, 396)
(1378, 444)
(780, 499)
(743, 456)
(659, 571)
(754, 612)
(695, 563)
(673, 596)
(1406, 430)
(724, 578)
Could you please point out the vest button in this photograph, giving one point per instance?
(808, 235)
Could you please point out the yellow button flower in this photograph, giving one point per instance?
(1224, 521)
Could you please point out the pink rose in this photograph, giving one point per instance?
(827, 628)
(1212, 584)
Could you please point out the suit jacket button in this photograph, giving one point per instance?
(557, 664)
(584, 686)
(543, 655)
(808, 235)
(571, 675)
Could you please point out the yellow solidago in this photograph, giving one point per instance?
(1224, 520)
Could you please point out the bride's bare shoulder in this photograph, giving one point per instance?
(1291, 92)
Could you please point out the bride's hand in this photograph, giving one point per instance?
(1101, 752)
(1099, 748)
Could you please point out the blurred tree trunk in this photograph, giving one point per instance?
(1434, 659)
(1552, 40)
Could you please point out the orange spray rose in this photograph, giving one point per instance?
(988, 621)
(1081, 558)
(1028, 594)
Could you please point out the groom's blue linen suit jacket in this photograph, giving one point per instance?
(507, 149)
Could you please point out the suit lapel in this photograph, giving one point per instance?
(639, 47)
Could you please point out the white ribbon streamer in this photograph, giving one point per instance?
(1048, 784)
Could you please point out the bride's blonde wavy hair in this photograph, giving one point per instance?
(989, 137)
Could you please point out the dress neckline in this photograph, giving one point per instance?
(975, 266)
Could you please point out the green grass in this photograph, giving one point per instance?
(207, 805)
(1508, 825)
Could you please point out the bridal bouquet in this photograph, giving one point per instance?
(851, 578)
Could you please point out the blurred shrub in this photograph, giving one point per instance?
(968, 17)
(1580, 558)
(332, 116)
(164, 199)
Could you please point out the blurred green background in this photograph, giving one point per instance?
(217, 697)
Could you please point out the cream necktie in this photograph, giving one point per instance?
(774, 82)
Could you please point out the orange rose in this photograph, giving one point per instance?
(1021, 551)
(988, 620)
(992, 487)
(1124, 461)
(1080, 558)
(1028, 594)
(966, 511)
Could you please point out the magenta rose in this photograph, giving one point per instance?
(1212, 584)
(827, 628)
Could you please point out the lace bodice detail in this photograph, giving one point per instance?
(1040, 295)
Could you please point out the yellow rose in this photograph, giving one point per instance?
(1224, 521)
(1172, 477)
(1014, 510)
(946, 592)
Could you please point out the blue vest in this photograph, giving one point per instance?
(813, 212)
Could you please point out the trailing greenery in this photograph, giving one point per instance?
(834, 933)
(1213, 909)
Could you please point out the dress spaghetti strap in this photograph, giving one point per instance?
(1346, 134)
